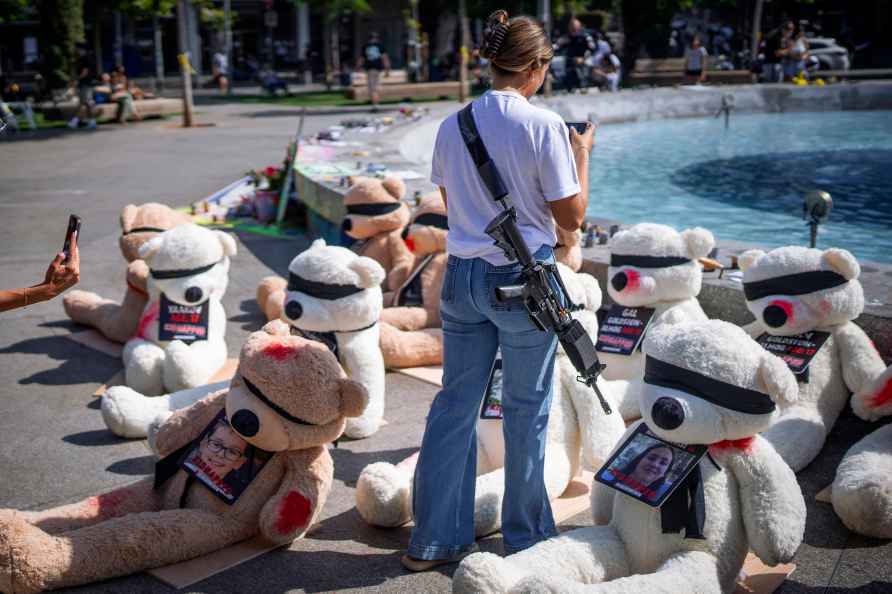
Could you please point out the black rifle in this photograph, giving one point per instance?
(542, 282)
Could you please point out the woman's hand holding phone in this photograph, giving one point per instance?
(585, 140)
(63, 272)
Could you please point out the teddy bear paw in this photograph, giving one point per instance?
(361, 427)
(480, 572)
(126, 412)
(382, 495)
(534, 585)
(22, 549)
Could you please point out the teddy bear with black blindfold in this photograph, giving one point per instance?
(180, 339)
(740, 495)
(805, 301)
(247, 460)
(119, 321)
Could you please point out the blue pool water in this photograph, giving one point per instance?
(748, 183)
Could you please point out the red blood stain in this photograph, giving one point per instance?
(279, 351)
(294, 512)
(745, 445)
(148, 317)
(786, 306)
(107, 503)
(410, 243)
(634, 278)
(884, 396)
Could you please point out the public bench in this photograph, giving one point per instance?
(406, 91)
(670, 71)
(396, 77)
(147, 108)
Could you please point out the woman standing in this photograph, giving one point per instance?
(545, 168)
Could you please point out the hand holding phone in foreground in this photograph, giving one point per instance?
(585, 140)
(64, 271)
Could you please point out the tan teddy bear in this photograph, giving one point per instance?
(247, 460)
(410, 321)
(118, 321)
(376, 218)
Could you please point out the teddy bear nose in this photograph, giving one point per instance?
(246, 423)
(667, 413)
(619, 281)
(193, 294)
(293, 310)
(347, 224)
(774, 316)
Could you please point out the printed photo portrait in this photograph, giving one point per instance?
(647, 468)
(222, 460)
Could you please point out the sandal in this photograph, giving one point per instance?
(413, 564)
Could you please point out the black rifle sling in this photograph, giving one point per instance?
(485, 167)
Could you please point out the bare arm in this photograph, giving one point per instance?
(569, 212)
(59, 276)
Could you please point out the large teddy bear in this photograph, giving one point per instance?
(862, 490)
(180, 340)
(249, 460)
(579, 434)
(119, 321)
(334, 296)
(706, 383)
(656, 267)
(801, 297)
(376, 219)
(410, 329)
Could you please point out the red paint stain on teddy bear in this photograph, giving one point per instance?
(884, 396)
(150, 315)
(634, 279)
(294, 512)
(279, 351)
(745, 445)
(786, 306)
(107, 503)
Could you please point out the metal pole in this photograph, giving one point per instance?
(119, 42)
(159, 53)
(227, 42)
(463, 52)
(757, 28)
(185, 69)
(545, 18)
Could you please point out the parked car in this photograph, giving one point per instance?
(830, 55)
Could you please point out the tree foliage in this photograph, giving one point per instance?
(13, 10)
(61, 29)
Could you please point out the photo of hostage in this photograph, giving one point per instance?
(646, 468)
(220, 460)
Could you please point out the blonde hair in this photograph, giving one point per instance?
(515, 45)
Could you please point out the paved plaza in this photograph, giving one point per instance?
(54, 447)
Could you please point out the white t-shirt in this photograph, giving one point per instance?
(694, 58)
(531, 149)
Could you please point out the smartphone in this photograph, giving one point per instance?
(74, 224)
(578, 126)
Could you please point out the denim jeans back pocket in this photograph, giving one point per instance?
(508, 278)
(447, 293)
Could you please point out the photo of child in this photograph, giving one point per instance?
(222, 460)
(648, 468)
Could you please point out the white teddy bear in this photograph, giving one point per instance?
(334, 297)
(579, 434)
(804, 301)
(706, 383)
(653, 268)
(862, 490)
(180, 341)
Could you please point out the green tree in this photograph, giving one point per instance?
(13, 10)
(61, 29)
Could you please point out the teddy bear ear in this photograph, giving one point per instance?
(276, 328)
(128, 216)
(354, 398)
(230, 248)
(394, 186)
(699, 242)
(776, 379)
(843, 262)
(317, 244)
(150, 248)
(748, 258)
(370, 273)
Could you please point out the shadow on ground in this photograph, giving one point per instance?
(80, 365)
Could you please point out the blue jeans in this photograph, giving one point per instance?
(475, 325)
